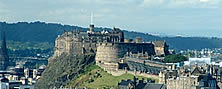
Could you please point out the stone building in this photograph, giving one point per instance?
(161, 48)
(205, 81)
(85, 42)
(109, 53)
(196, 78)
(139, 84)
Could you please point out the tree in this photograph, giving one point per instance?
(174, 58)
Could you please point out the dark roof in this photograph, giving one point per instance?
(140, 84)
(3, 79)
(125, 83)
(196, 71)
(207, 81)
(154, 86)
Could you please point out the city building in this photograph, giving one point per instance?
(196, 77)
(139, 84)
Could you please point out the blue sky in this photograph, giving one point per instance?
(171, 17)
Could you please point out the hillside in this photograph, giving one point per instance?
(27, 49)
(180, 43)
(34, 31)
(78, 71)
(95, 77)
(47, 32)
(61, 70)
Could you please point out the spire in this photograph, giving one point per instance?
(4, 47)
(3, 41)
(91, 18)
(4, 59)
(91, 26)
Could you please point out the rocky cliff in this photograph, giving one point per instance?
(63, 69)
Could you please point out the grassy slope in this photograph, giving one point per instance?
(61, 70)
(95, 77)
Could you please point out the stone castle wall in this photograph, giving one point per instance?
(60, 46)
(85, 42)
(161, 48)
(183, 83)
(121, 72)
(112, 52)
(69, 44)
(108, 53)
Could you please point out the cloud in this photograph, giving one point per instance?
(153, 2)
(140, 15)
(2, 8)
(4, 12)
(182, 3)
(205, 1)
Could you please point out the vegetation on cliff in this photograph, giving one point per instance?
(95, 77)
(61, 70)
(78, 71)
(28, 49)
(175, 58)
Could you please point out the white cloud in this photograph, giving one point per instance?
(2, 8)
(3, 12)
(140, 15)
(205, 1)
(151, 3)
(182, 3)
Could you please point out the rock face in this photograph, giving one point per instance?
(61, 70)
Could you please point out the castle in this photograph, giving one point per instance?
(108, 46)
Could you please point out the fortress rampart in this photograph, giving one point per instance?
(112, 52)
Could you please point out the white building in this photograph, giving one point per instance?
(4, 84)
(26, 87)
(199, 61)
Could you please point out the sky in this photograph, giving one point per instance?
(166, 17)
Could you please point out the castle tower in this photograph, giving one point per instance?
(4, 59)
(91, 26)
